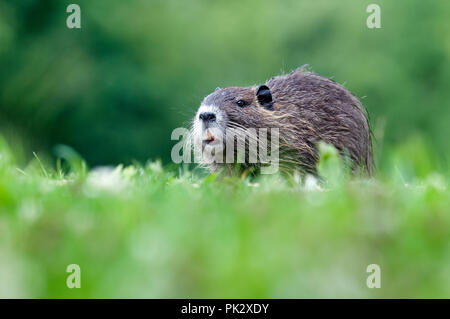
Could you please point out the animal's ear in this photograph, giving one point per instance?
(264, 97)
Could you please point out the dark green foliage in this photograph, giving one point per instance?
(115, 89)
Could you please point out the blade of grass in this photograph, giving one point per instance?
(40, 164)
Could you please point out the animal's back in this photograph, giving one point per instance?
(324, 110)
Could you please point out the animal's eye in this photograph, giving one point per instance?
(241, 103)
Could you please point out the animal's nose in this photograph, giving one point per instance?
(207, 117)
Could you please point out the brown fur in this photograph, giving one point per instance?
(307, 108)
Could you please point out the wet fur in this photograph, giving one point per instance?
(307, 108)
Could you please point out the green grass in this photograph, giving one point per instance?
(149, 231)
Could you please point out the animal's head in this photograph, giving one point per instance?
(231, 108)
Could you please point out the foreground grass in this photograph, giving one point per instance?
(148, 232)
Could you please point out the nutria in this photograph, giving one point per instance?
(305, 107)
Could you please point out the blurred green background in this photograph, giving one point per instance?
(114, 91)
(116, 88)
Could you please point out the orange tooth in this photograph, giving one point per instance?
(210, 136)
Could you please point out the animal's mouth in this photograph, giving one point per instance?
(209, 138)
(209, 128)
